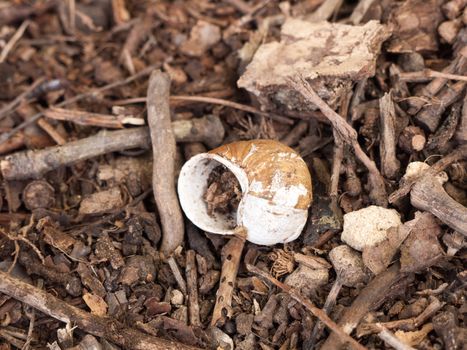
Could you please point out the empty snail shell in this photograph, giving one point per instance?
(275, 190)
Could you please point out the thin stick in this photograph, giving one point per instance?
(428, 74)
(4, 137)
(390, 339)
(347, 134)
(163, 150)
(235, 105)
(320, 314)
(11, 107)
(32, 318)
(373, 293)
(216, 101)
(104, 327)
(231, 254)
(50, 130)
(14, 39)
(29, 164)
(24, 165)
(192, 288)
(177, 274)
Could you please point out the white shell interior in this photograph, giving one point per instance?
(266, 223)
(192, 184)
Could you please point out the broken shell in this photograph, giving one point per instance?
(275, 184)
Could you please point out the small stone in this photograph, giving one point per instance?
(348, 264)
(307, 279)
(203, 36)
(176, 297)
(367, 227)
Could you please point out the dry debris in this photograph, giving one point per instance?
(102, 101)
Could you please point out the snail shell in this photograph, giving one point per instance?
(275, 184)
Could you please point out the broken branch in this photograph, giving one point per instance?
(33, 164)
(348, 135)
(163, 149)
(105, 327)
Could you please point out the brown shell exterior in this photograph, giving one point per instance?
(263, 160)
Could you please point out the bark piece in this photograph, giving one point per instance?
(101, 202)
(461, 134)
(428, 194)
(330, 57)
(390, 165)
(415, 25)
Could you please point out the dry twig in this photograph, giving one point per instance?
(346, 133)
(33, 164)
(163, 148)
(231, 254)
(105, 327)
(337, 331)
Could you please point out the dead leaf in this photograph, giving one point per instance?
(421, 249)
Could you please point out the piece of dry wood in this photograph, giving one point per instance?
(18, 12)
(373, 293)
(458, 154)
(389, 338)
(177, 274)
(181, 99)
(295, 134)
(412, 139)
(93, 119)
(457, 66)
(348, 135)
(120, 12)
(163, 149)
(360, 11)
(390, 165)
(16, 142)
(231, 254)
(440, 140)
(461, 134)
(13, 40)
(428, 194)
(320, 314)
(31, 120)
(453, 8)
(192, 288)
(446, 325)
(51, 131)
(409, 324)
(430, 115)
(427, 75)
(33, 164)
(136, 36)
(105, 327)
(325, 10)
